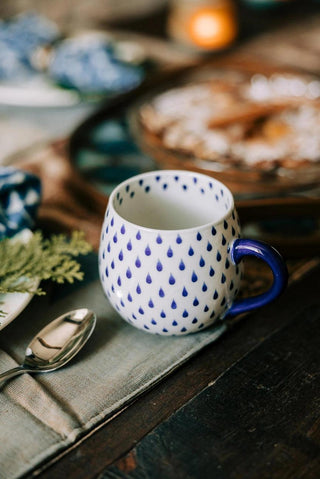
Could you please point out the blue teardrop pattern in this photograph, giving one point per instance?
(128, 273)
(201, 259)
(138, 262)
(194, 277)
(173, 305)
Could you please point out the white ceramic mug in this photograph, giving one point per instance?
(170, 251)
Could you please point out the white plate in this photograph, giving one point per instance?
(14, 303)
(37, 93)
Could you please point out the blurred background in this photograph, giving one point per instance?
(63, 64)
(153, 16)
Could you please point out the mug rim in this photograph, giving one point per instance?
(173, 172)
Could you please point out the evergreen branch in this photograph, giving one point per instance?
(24, 264)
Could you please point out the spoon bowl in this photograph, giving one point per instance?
(56, 344)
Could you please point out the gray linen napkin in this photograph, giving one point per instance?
(42, 414)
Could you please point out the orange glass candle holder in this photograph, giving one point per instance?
(203, 24)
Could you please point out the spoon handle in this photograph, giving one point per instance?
(12, 373)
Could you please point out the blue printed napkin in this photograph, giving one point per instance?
(20, 195)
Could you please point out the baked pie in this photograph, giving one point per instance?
(241, 121)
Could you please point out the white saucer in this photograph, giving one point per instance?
(14, 303)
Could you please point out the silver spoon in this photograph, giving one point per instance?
(56, 344)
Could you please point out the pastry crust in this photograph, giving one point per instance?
(251, 122)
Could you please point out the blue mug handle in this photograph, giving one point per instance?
(247, 247)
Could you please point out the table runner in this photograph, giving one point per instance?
(42, 414)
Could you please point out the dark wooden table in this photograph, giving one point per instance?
(248, 406)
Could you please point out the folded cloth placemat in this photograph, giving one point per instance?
(42, 414)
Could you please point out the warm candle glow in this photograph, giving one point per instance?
(212, 28)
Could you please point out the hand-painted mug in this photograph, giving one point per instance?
(170, 253)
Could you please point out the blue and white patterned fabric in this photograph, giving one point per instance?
(90, 66)
(20, 195)
(19, 39)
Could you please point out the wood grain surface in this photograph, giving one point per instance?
(259, 419)
(248, 343)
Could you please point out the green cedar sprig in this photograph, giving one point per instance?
(22, 264)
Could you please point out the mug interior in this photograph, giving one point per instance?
(172, 200)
